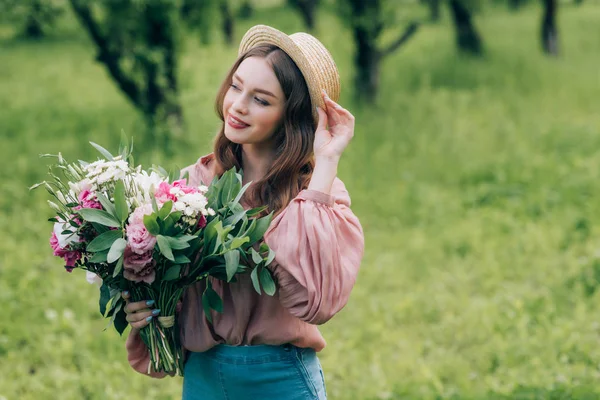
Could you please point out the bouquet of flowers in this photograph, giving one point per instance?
(145, 232)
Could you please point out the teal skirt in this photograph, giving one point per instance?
(254, 372)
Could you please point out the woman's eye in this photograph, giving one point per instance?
(234, 86)
(261, 101)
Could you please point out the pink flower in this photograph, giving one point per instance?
(139, 239)
(201, 221)
(137, 217)
(180, 184)
(138, 267)
(70, 256)
(163, 193)
(87, 199)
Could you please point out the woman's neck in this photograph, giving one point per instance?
(256, 162)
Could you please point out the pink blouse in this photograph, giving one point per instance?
(318, 244)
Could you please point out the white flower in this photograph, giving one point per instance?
(64, 240)
(102, 171)
(92, 278)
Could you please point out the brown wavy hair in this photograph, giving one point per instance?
(294, 138)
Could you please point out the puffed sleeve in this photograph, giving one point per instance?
(319, 245)
(138, 355)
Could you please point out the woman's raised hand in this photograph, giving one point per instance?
(330, 143)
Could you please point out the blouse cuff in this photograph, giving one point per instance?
(317, 196)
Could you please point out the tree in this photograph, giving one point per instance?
(434, 10)
(368, 19)
(467, 38)
(34, 17)
(307, 9)
(201, 15)
(549, 31)
(226, 21)
(137, 43)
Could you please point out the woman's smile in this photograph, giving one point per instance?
(236, 123)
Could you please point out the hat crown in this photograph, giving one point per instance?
(310, 55)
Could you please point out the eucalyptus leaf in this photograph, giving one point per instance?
(165, 247)
(255, 282)
(255, 256)
(172, 273)
(106, 203)
(122, 210)
(232, 260)
(267, 282)
(151, 224)
(118, 267)
(99, 257)
(103, 151)
(165, 210)
(99, 216)
(262, 225)
(104, 298)
(104, 241)
(116, 250)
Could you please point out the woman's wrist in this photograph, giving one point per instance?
(324, 173)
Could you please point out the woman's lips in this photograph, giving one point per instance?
(236, 123)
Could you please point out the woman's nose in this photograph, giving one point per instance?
(239, 105)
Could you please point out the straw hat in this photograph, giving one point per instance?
(311, 57)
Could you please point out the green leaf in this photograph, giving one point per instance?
(121, 208)
(241, 192)
(238, 242)
(118, 267)
(121, 321)
(99, 257)
(104, 298)
(165, 210)
(100, 228)
(153, 200)
(267, 281)
(172, 273)
(116, 250)
(255, 256)
(232, 260)
(254, 277)
(99, 216)
(235, 218)
(52, 220)
(165, 248)
(103, 151)
(213, 299)
(270, 257)
(104, 241)
(262, 224)
(255, 211)
(181, 259)
(151, 224)
(263, 247)
(177, 243)
(108, 206)
(210, 235)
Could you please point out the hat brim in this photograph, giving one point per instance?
(263, 34)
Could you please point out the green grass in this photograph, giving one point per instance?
(475, 180)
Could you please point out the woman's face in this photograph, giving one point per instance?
(254, 104)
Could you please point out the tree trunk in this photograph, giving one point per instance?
(307, 9)
(434, 10)
(33, 26)
(245, 10)
(367, 60)
(549, 31)
(227, 21)
(467, 38)
(515, 4)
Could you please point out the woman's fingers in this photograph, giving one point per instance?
(138, 306)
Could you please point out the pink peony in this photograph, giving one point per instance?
(139, 239)
(138, 267)
(137, 217)
(180, 184)
(163, 193)
(70, 256)
(87, 199)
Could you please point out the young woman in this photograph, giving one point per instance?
(282, 128)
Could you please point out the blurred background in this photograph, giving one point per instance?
(475, 171)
